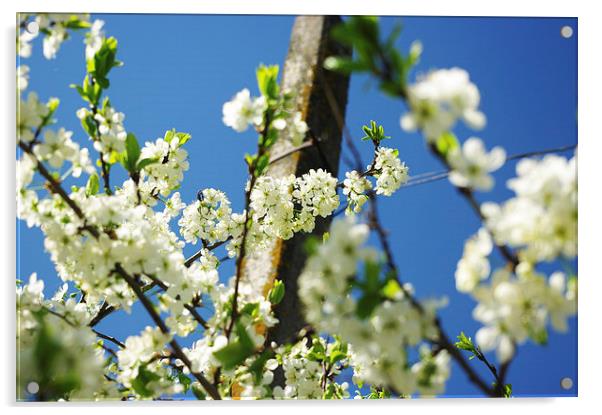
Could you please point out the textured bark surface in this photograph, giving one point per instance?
(303, 75)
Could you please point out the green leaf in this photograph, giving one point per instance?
(146, 162)
(140, 383)
(508, 390)
(311, 245)
(103, 61)
(344, 65)
(267, 81)
(262, 164)
(465, 343)
(250, 159)
(276, 293)
(372, 272)
(53, 104)
(133, 149)
(250, 309)
(89, 125)
(75, 23)
(184, 381)
(236, 351)
(366, 304)
(446, 143)
(169, 135)
(374, 132)
(257, 366)
(336, 356)
(198, 393)
(93, 185)
(183, 138)
(391, 289)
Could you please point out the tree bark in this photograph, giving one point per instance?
(303, 75)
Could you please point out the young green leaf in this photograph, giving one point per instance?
(267, 81)
(93, 185)
(277, 292)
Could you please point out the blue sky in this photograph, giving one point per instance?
(180, 69)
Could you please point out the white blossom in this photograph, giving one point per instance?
(542, 218)
(94, 39)
(167, 172)
(390, 173)
(474, 265)
(516, 308)
(24, 40)
(52, 42)
(377, 343)
(243, 111)
(29, 116)
(112, 134)
(355, 187)
(57, 147)
(76, 358)
(22, 77)
(472, 164)
(438, 99)
(207, 219)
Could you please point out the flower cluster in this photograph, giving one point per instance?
(438, 99)
(22, 77)
(390, 173)
(170, 161)
(378, 338)
(142, 367)
(295, 128)
(542, 219)
(74, 369)
(30, 113)
(110, 135)
(474, 265)
(208, 219)
(541, 223)
(310, 370)
(355, 187)
(516, 308)
(58, 147)
(55, 26)
(243, 110)
(284, 206)
(94, 39)
(471, 164)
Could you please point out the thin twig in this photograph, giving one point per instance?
(189, 261)
(109, 338)
(434, 176)
(294, 150)
(191, 309)
(443, 340)
(334, 107)
(178, 352)
(56, 188)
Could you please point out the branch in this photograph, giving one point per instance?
(443, 340)
(56, 188)
(294, 150)
(468, 194)
(178, 352)
(199, 253)
(191, 309)
(357, 163)
(109, 338)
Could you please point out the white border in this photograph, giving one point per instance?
(590, 151)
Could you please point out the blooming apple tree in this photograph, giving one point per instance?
(117, 244)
